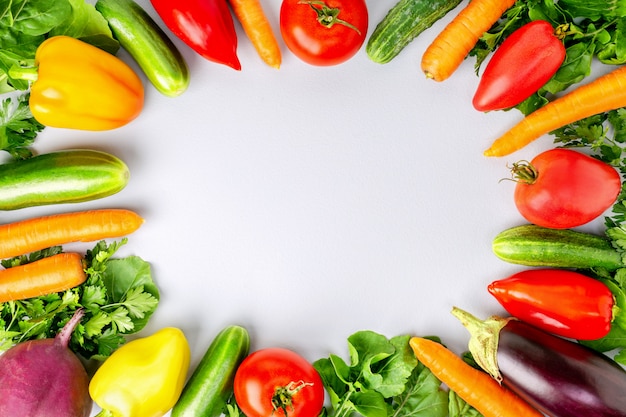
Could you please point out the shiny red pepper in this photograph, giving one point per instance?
(204, 25)
(562, 302)
(521, 65)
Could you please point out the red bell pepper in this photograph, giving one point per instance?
(204, 25)
(562, 302)
(521, 65)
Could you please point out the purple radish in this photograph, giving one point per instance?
(44, 378)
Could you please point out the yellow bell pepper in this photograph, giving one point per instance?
(144, 377)
(79, 86)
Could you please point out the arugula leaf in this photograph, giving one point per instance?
(119, 296)
(423, 396)
(382, 379)
(18, 127)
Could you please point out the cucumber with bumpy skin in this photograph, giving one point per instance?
(532, 245)
(70, 176)
(211, 384)
(148, 44)
(403, 23)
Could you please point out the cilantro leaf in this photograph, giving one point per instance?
(18, 127)
(119, 296)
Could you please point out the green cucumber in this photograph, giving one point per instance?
(210, 386)
(403, 23)
(533, 245)
(148, 44)
(70, 176)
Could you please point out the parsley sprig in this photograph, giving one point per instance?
(119, 296)
(18, 127)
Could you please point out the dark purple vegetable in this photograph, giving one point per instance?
(43, 378)
(559, 377)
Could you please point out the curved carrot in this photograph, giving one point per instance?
(38, 233)
(46, 276)
(446, 53)
(603, 94)
(474, 386)
(258, 29)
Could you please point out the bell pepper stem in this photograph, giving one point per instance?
(26, 73)
(104, 413)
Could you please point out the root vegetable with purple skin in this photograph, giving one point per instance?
(44, 378)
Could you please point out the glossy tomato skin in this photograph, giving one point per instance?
(266, 370)
(316, 44)
(559, 301)
(567, 188)
(521, 65)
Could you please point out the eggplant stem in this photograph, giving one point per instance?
(484, 337)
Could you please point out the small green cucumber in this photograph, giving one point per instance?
(403, 23)
(533, 245)
(210, 386)
(148, 44)
(70, 176)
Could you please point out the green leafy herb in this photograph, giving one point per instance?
(25, 24)
(18, 127)
(119, 297)
(384, 379)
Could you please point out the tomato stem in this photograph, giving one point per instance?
(523, 171)
(283, 396)
(328, 16)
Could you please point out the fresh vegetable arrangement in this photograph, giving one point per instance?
(48, 293)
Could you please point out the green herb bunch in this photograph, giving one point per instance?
(118, 297)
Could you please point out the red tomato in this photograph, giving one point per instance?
(279, 383)
(562, 188)
(323, 32)
(523, 63)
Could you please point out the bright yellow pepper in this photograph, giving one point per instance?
(144, 377)
(79, 86)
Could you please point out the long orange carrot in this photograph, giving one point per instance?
(46, 276)
(603, 94)
(448, 50)
(476, 387)
(38, 233)
(258, 29)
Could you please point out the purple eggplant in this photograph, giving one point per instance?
(559, 377)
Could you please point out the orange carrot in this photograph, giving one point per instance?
(258, 29)
(603, 94)
(446, 53)
(46, 276)
(476, 387)
(38, 233)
